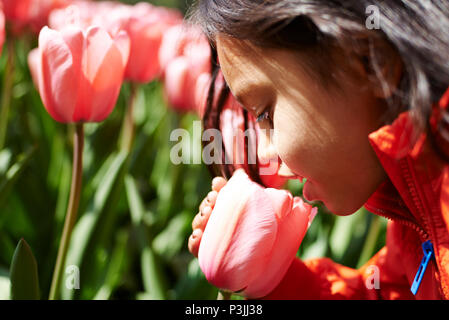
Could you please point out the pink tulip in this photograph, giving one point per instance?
(268, 168)
(80, 13)
(30, 13)
(33, 64)
(79, 73)
(184, 55)
(2, 28)
(252, 236)
(232, 127)
(17, 11)
(173, 43)
(201, 91)
(145, 27)
(144, 23)
(233, 134)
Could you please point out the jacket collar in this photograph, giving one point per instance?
(411, 192)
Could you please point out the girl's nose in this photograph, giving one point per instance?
(266, 151)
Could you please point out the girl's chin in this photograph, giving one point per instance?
(310, 194)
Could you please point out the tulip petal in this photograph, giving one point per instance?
(282, 201)
(292, 228)
(123, 44)
(143, 65)
(175, 84)
(201, 93)
(239, 236)
(34, 58)
(107, 81)
(232, 128)
(59, 74)
(173, 41)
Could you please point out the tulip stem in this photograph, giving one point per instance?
(7, 92)
(128, 127)
(72, 209)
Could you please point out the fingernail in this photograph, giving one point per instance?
(196, 233)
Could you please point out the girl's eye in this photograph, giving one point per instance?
(265, 115)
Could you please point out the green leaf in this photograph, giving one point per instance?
(135, 202)
(118, 264)
(96, 224)
(193, 284)
(342, 233)
(7, 247)
(23, 274)
(5, 158)
(348, 236)
(171, 239)
(372, 239)
(153, 277)
(13, 174)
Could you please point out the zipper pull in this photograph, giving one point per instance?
(427, 248)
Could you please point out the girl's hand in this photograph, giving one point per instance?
(200, 220)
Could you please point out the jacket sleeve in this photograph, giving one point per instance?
(382, 277)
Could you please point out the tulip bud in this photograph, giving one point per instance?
(252, 236)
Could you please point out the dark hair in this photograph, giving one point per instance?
(416, 30)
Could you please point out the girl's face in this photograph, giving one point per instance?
(321, 133)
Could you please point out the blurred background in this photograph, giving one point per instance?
(134, 220)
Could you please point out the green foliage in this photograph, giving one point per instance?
(23, 274)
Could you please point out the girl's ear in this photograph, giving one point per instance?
(383, 67)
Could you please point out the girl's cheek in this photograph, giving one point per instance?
(298, 149)
(288, 146)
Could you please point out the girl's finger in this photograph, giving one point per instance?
(197, 221)
(218, 183)
(212, 197)
(204, 203)
(194, 241)
(200, 220)
(209, 200)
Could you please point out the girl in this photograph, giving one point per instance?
(356, 91)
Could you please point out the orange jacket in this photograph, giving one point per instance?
(415, 199)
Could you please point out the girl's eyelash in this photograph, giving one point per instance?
(264, 115)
